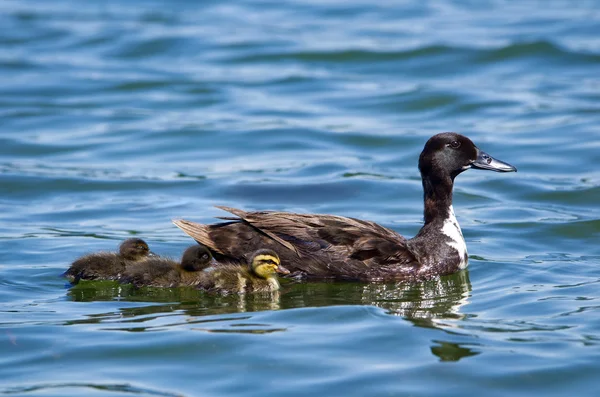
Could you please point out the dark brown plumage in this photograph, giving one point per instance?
(108, 265)
(164, 272)
(328, 246)
(317, 246)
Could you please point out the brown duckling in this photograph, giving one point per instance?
(259, 276)
(329, 246)
(164, 272)
(108, 265)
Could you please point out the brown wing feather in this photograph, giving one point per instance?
(311, 244)
(266, 230)
(199, 232)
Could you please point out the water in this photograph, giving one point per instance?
(118, 117)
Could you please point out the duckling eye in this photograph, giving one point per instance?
(204, 256)
(455, 144)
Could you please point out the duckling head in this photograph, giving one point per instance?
(266, 264)
(134, 249)
(196, 258)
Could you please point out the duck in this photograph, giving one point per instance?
(108, 265)
(260, 275)
(321, 246)
(167, 273)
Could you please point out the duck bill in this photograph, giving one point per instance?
(282, 270)
(486, 162)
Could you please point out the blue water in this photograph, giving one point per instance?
(117, 117)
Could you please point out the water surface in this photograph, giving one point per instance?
(118, 117)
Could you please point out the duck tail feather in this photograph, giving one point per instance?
(198, 232)
(234, 211)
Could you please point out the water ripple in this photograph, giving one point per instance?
(119, 117)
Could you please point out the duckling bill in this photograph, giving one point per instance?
(330, 246)
(108, 265)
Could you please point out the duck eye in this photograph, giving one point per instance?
(455, 144)
(204, 256)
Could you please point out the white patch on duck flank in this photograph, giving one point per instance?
(452, 230)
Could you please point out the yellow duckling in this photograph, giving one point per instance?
(164, 272)
(259, 276)
(108, 265)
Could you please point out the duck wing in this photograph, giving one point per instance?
(315, 245)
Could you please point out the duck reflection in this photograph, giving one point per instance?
(448, 351)
(424, 304)
(421, 303)
(431, 304)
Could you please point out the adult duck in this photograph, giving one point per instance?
(329, 246)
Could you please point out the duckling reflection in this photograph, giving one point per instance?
(99, 290)
(259, 276)
(108, 265)
(164, 272)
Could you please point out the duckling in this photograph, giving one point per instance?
(108, 265)
(337, 247)
(164, 272)
(259, 276)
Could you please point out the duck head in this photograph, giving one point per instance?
(134, 249)
(448, 154)
(196, 258)
(266, 264)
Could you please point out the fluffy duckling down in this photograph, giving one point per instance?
(164, 272)
(259, 276)
(108, 265)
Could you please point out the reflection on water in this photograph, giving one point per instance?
(125, 389)
(435, 299)
(89, 291)
(448, 351)
(422, 303)
(194, 302)
(426, 304)
(119, 116)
